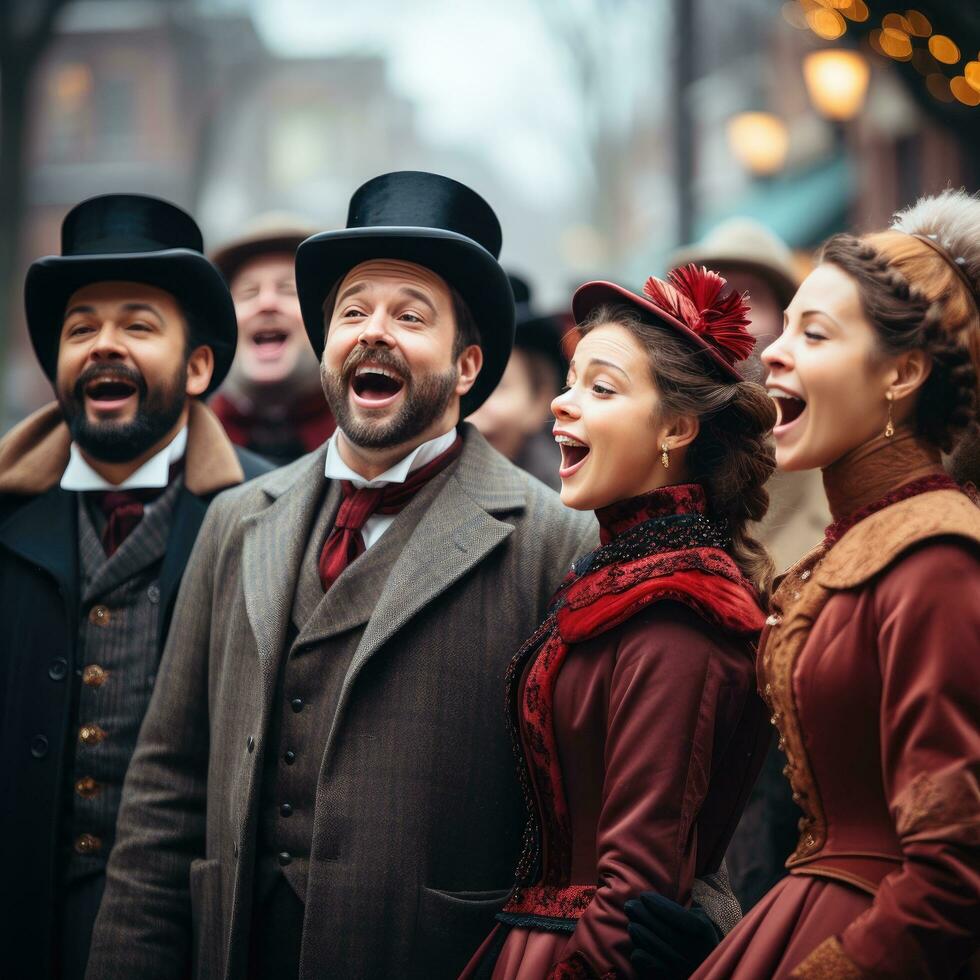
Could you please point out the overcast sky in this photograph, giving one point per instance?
(482, 76)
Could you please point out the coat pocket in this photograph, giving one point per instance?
(206, 921)
(450, 928)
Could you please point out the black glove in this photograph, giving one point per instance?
(669, 941)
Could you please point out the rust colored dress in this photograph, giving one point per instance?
(639, 733)
(870, 662)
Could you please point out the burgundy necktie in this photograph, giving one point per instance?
(345, 542)
(123, 510)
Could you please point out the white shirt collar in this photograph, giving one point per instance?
(337, 469)
(153, 474)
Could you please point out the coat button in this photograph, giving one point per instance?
(58, 669)
(99, 615)
(153, 594)
(39, 746)
(94, 676)
(250, 743)
(87, 787)
(289, 757)
(87, 844)
(286, 810)
(296, 704)
(284, 858)
(91, 735)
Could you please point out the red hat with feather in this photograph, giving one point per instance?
(692, 301)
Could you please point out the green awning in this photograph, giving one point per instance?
(802, 208)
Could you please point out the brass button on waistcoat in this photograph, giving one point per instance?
(99, 615)
(94, 676)
(91, 735)
(87, 844)
(87, 787)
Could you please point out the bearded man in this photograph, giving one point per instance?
(324, 785)
(101, 497)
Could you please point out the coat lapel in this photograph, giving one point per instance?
(457, 531)
(188, 516)
(45, 533)
(275, 542)
(353, 598)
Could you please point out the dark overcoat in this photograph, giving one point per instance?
(418, 815)
(39, 614)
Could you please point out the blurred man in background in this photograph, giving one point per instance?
(272, 402)
(516, 419)
(754, 260)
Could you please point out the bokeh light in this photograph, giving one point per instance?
(759, 141)
(919, 23)
(938, 86)
(964, 92)
(972, 74)
(895, 43)
(944, 49)
(836, 81)
(826, 23)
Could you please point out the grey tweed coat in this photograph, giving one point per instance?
(417, 780)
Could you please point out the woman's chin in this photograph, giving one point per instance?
(575, 498)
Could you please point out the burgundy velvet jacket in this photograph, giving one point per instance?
(871, 663)
(641, 732)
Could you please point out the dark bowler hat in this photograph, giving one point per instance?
(434, 222)
(131, 238)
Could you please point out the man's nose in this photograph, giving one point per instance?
(108, 344)
(374, 331)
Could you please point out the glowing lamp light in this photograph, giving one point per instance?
(964, 92)
(836, 81)
(944, 49)
(759, 141)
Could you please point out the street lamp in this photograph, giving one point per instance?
(759, 141)
(836, 81)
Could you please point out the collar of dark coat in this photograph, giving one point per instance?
(490, 480)
(874, 543)
(34, 454)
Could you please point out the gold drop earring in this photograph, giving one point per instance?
(889, 426)
(665, 456)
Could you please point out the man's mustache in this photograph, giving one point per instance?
(380, 356)
(108, 372)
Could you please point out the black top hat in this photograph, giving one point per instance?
(130, 238)
(536, 332)
(434, 222)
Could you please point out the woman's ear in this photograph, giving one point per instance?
(910, 372)
(681, 431)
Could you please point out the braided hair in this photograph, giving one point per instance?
(917, 299)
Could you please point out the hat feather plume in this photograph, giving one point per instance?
(697, 297)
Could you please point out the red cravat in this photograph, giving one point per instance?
(345, 542)
(123, 510)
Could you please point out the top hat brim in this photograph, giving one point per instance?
(593, 295)
(323, 260)
(187, 275)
